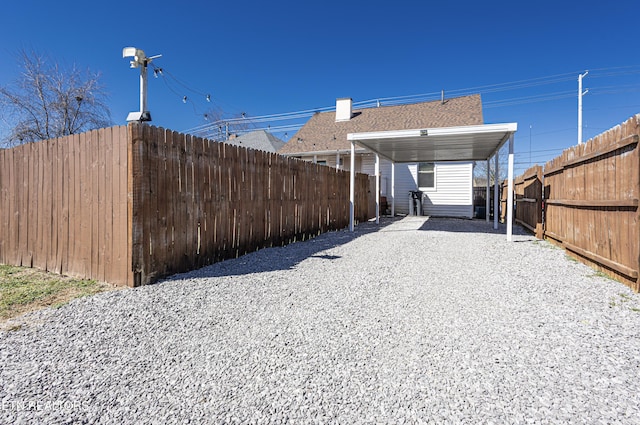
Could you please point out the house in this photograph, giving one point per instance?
(447, 186)
(259, 140)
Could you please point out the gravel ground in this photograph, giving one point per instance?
(415, 321)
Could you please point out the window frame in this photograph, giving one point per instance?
(435, 172)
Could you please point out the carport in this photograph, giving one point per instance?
(464, 143)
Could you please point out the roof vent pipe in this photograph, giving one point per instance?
(442, 97)
(344, 109)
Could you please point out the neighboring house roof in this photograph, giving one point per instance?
(322, 132)
(259, 140)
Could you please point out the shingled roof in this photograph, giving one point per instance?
(322, 132)
(259, 139)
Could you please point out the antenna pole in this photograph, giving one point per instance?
(143, 86)
(140, 60)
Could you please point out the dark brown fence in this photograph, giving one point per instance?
(592, 201)
(130, 204)
(196, 201)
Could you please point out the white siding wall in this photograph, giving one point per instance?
(405, 180)
(452, 197)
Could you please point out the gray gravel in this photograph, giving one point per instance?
(415, 321)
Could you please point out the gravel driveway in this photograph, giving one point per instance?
(414, 321)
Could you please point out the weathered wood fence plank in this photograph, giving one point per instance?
(592, 193)
(130, 204)
(591, 196)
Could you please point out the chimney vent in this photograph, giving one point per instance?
(344, 109)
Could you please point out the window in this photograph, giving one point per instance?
(324, 162)
(426, 175)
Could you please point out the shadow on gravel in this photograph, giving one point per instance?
(462, 225)
(286, 257)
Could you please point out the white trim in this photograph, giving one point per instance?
(496, 192)
(487, 206)
(393, 189)
(434, 188)
(352, 184)
(510, 193)
(438, 131)
(377, 189)
(320, 153)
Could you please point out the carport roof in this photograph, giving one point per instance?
(463, 143)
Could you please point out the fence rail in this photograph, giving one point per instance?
(591, 195)
(586, 200)
(130, 204)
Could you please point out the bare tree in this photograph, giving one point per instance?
(221, 127)
(480, 169)
(50, 101)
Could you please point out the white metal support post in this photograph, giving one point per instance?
(143, 86)
(352, 183)
(496, 196)
(140, 60)
(580, 94)
(510, 193)
(377, 189)
(393, 189)
(488, 200)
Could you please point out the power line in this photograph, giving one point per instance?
(528, 99)
(416, 98)
(483, 89)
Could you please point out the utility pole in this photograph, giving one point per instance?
(580, 94)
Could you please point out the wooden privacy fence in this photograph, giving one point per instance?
(591, 201)
(528, 198)
(131, 204)
(590, 195)
(63, 205)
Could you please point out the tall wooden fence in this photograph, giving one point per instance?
(131, 204)
(63, 205)
(592, 201)
(586, 200)
(528, 198)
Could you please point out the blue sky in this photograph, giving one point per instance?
(266, 58)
